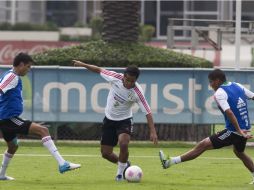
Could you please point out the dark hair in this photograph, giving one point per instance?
(217, 74)
(132, 70)
(22, 57)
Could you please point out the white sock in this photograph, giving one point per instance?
(6, 159)
(50, 145)
(121, 167)
(175, 160)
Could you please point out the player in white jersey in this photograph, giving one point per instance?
(11, 107)
(231, 99)
(117, 124)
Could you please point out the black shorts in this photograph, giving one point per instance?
(111, 130)
(11, 127)
(226, 138)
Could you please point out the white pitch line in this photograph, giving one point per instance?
(96, 156)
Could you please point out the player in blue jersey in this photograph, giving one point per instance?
(11, 107)
(231, 100)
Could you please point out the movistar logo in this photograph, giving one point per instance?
(240, 103)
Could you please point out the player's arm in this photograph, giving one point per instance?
(92, 68)
(9, 82)
(233, 120)
(247, 92)
(221, 98)
(153, 134)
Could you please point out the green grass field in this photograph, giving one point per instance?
(34, 168)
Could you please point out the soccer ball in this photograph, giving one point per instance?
(133, 174)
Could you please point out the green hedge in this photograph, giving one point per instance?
(28, 27)
(117, 55)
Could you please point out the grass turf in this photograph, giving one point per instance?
(34, 168)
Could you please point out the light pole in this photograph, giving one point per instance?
(13, 12)
(238, 33)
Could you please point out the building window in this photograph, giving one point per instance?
(62, 13)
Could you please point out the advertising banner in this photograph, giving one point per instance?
(69, 94)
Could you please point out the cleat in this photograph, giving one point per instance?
(6, 178)
(67, 166)
(119, 177)
(128, 165)
(164, 161)
(252, 182)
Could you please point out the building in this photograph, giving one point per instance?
(62, 13)
(156, 13)
(67, 13)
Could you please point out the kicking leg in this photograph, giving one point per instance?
(201, 147)
(50, 145)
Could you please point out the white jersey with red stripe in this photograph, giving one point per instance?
(121, 99)
(11, 102)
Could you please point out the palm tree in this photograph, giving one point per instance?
(120, 21)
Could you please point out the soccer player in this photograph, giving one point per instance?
(231, 100)
(117, 124)
(11, 106)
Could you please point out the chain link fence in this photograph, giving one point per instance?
(166, 132)
(92, 131)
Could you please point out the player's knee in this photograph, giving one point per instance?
(105, 154)
(205, 143)
(13, 147)
(44, 131)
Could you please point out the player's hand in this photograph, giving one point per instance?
(246, 134)
(153, 137)
(77, 63)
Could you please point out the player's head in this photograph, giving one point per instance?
(131, 75)
(22, 63)
(216, 78)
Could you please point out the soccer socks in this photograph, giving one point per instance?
(50, 145)
(121, 167)
(175, 160)
(6, 159)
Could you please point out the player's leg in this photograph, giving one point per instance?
(108, 154)
(47, 141)
(123, 163)
(247, 161)
(108, 141)
(123, 141)
(124, 130)
(239, 147)
(216, 141)
(12, 146)
(201, 147)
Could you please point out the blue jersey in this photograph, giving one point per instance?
(11, 102)
(238, 105)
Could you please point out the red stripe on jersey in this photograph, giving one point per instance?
(142, 98)
(113, 74)
(11, 77)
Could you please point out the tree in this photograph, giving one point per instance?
(120, 21)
